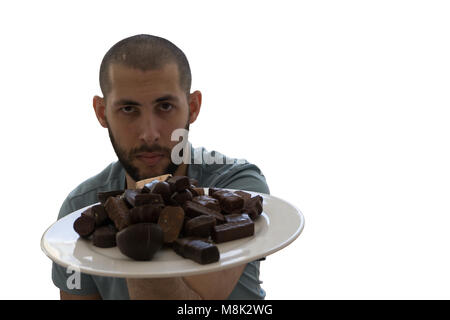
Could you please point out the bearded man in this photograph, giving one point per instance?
(145, 82)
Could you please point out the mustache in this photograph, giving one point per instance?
(152, 148)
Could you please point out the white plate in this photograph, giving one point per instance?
(278, 226)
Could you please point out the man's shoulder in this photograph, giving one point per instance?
(112, 177)
(214, 169)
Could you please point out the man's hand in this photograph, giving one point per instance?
(215, 285)
(67, 296)
(210, 286)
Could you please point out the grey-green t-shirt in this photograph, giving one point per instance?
(232, 174)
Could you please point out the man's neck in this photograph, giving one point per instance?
(181, 171)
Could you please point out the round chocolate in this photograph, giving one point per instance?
(140, 241)
(105, 236)
(84, 225)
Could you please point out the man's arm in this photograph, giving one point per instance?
(210, 286)
(67, 296)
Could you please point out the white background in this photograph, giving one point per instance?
(344, 105)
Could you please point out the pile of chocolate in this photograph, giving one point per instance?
(174, 213)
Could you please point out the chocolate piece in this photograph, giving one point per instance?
(229, 201)
(105, 236)
(244, 195)
(179, 183)
(253, 207)
(118, 212)
(140, 241)
(208, 202)
(162, 188)
(145, 213)
(197, 250)
(180, 197)
(99, 214)
(104, 195)
(193, 210)
(200, 226)
(233, 230)
(84, 225)
(136, 198)
(171, 221)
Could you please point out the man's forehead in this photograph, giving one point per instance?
(127, 80)
(119, 73)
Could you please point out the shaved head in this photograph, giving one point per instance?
(145, 52)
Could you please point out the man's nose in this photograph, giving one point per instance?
(149, 130)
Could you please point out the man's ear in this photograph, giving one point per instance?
(100, 110)
(195, 102)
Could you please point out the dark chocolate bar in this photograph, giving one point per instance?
(233, 230)
(197, 250)
(244, 195)
(208, 202)
(118, 212)
(193, 210)
(200, 226)
(140, 241)
(229, 202)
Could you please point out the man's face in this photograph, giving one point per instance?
(143, 108)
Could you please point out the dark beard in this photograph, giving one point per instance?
(126, 158)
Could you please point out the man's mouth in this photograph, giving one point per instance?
(150, 158)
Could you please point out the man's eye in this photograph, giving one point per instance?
(128, 109)
(166, 107)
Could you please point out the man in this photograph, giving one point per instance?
(145, 82)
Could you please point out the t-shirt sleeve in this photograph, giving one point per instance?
(69, 279)
(244, 177)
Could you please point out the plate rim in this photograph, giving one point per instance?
(200, 268)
